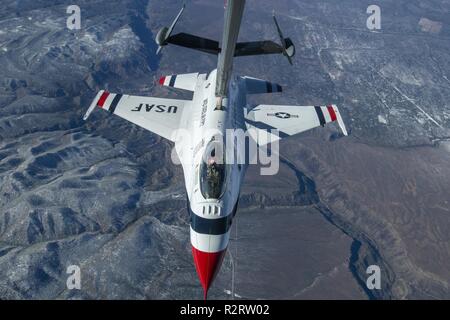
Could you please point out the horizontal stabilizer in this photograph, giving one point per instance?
(186, 81)
(255, 86)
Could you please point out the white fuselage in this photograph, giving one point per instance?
(210, 215)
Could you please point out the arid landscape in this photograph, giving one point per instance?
(104, 194)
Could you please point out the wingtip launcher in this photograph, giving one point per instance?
(93, 104)
(340, 121)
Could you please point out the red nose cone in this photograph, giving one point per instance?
(161, 80)
(207, 265)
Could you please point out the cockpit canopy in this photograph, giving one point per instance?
(213, 171)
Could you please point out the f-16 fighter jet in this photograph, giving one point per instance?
(218, 104)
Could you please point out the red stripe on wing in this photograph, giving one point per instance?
(102, 99)
(332, 113)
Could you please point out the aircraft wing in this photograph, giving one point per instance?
(186, 81)
(289, 120)
(158, 115)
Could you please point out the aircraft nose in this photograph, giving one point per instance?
(207, 265)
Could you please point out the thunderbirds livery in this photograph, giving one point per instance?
(218, 104)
